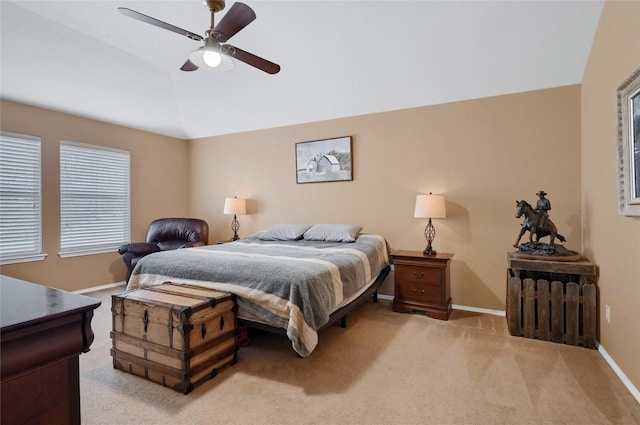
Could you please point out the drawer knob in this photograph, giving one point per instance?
(418, 293)
(418, 275)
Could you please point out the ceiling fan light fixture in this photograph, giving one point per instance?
(211, 58)
(208, 58)
(218, 57)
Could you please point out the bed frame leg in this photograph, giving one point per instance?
(343, 322)
(375, 297)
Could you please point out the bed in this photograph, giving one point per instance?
(292, 278)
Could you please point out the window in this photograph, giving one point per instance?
(94, 199)
(20, 199)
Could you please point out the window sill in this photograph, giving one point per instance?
(25, 259)
(88, 251)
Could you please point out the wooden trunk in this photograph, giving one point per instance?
(176, 335)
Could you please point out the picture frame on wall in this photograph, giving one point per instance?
(628, 141)
(328, 160)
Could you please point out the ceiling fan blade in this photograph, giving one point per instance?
(158, 23)
(189, 66)
(250, 59)
(239, 16)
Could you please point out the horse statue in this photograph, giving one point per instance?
(531, 221)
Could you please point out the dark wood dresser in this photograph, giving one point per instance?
(422, 283)
(43, 331)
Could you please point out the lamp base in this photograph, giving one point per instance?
(235, 226)
(429, 234)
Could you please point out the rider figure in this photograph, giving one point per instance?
(542, 207)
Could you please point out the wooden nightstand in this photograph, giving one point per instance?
(422, 283)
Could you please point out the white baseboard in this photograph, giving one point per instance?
(627, 383)
(458, 307)
(478, 310)
(99, 288)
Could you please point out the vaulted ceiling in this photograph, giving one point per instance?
(338, 59)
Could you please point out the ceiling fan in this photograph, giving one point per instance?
(214, 55)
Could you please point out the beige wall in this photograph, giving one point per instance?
(159, 188)
(612, 241)
(482, 154)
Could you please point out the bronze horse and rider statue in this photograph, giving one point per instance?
(537, 221)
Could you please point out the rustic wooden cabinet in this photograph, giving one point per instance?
(552, 300)
(422, 283)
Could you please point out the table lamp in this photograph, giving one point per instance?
(430, 206)
(235, 206)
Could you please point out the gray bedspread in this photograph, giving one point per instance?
(293, 285)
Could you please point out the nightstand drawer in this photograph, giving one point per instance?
(418, 275)
(423, 293)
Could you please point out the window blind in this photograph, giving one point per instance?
(20, 199)
(94, 199)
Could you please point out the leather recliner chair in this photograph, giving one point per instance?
(166, 234)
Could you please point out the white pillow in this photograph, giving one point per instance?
(285, 232)
(333, 233)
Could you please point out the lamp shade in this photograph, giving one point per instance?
(430, 206)
(235, 206)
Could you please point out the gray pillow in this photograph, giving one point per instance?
(333, 233)
(285, 232)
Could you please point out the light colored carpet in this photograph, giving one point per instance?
(384, 368)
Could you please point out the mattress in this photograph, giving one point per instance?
(293, 285)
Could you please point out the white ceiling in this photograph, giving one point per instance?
(338, 58)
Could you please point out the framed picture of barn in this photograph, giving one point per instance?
(327, 160)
